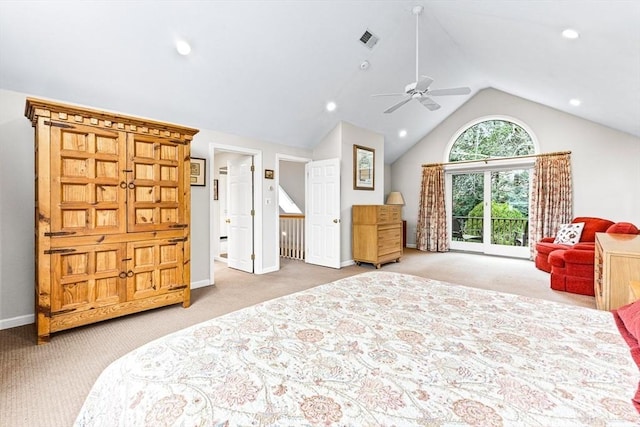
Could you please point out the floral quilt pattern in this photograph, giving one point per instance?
(378, 349)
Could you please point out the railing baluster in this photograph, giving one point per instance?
(292, 236)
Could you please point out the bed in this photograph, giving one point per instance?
(378, 348)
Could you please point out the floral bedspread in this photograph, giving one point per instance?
(378, 349)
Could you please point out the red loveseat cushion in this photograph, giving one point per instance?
(592, 226)
(623, 228)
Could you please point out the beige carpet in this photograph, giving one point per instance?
(46, 385)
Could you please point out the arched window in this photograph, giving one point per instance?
(491, 139)
(503, 185)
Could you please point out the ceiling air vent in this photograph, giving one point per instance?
(369, 39)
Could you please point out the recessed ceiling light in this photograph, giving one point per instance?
(570, 33)
(183, 47)
(402, 133)
(575, 102)
(331, 106)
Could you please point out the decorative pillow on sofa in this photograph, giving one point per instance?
(569, 234)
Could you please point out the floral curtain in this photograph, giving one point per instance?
(551, 199)
(432, 219)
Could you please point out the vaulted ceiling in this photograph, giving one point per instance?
(266, 69)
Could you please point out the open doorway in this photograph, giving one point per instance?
(289, 226)
(235, 214)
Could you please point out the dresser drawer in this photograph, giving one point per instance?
(388, 213)
(389, 239)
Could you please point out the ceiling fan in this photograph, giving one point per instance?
(419, 89)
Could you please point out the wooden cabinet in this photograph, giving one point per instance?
(617, 266)
(377, 234)
(112, 215)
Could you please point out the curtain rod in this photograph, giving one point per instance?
(557, 153)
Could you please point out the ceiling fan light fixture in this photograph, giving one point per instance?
(331, 106)
(570, 34)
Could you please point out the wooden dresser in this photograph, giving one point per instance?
(377, 234)
(112, 214)
(617, 265)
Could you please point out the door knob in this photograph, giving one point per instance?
(335, 221)
(228, 221)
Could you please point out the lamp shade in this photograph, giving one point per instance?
(395, 198)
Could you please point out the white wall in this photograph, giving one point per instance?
(351, 135)
(329, 146)
(17, 271)
(605, 162)
(292, 181)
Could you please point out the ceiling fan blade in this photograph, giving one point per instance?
(450, 91)
(423, 84)
(389, 94)
(394, 107)
(429, 103)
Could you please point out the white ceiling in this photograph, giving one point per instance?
(265, 69)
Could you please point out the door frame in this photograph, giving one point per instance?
(276, 183)
(257, 205)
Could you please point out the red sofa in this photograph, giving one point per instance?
(572, 269)
(591, 226)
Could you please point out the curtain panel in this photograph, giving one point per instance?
(432, 218)
(551, 198)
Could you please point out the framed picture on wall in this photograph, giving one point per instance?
(363, 168)
(198, 171)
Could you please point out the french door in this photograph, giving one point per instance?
(488, 210)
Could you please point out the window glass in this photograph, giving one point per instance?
(491, 139)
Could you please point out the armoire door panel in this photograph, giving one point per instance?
(87, 277)
(86, 196)
(155, 194)
(156, 267)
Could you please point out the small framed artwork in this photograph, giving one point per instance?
(215, 189)
(364, 160)
(268, 173)
(198, 171)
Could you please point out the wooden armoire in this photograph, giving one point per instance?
(112, 212)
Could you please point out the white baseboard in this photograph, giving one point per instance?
(17, 321)
(200, 284)
(268, 270)
(347, 263)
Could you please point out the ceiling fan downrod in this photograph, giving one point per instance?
(417, 10)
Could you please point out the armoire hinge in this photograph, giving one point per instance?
(253, 257)
(59, 251)
(58, 233)
(253, 168)
(59, 125)
(179, 239)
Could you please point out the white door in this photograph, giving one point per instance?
(488, 211)
(323, 213)
(240, 209)
(222, 203)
